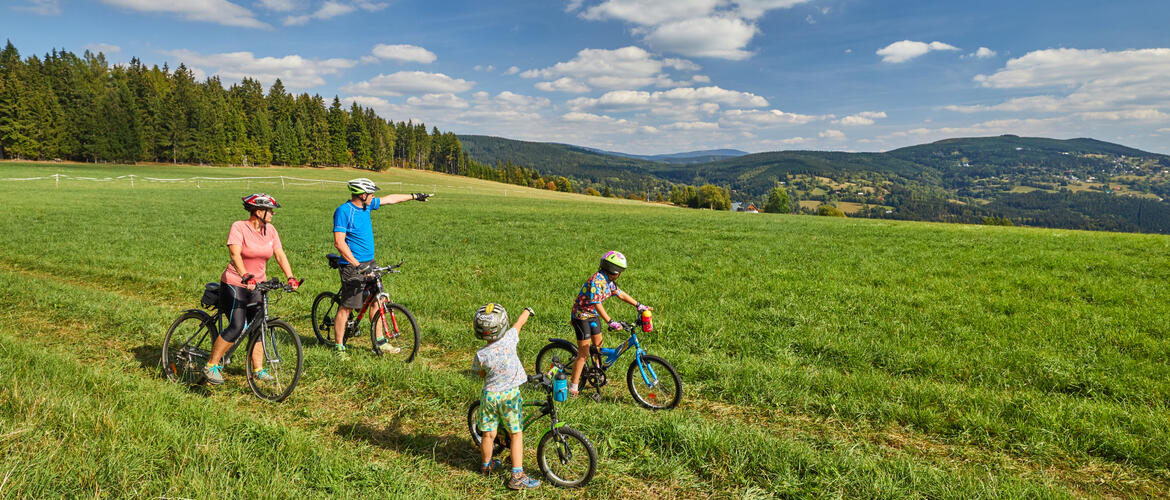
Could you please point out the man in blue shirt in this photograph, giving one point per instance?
(353, 235)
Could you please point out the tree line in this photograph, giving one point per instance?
(80, 108)
(63, 106)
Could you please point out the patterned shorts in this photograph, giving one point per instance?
(506, 406)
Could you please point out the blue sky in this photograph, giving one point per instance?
(661, 76)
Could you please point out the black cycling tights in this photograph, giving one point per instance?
(238, 305)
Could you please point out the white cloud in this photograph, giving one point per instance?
(293, 70)
(409, 82)
(104, 48)
(691, 126)
(764, 118)
(810, 19)
(439, 101)
(831, 134)
(1164, 130)
(716, 37)
(573, 5)
(281, 5)
(627, 67)
(631, 100)
(404, 53)
(577, 116)
(757, 8)
(700, 28)
(982, 53)
(42, 7)
(212, 11)
(366, 101)
(905, 50)
(862, 118)
(334, 8)
(680, 64)
(328, 10)
(650, 12)
(489, 68)
(1095, 85)
(512, 70)
(564, 84)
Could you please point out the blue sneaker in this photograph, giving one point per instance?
(522, 482)
(212, 374)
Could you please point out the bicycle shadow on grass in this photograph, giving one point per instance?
(454, 450)
(148, 356)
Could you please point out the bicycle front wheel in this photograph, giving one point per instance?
(324, 311)
(282, 358)
(654, 383)
(503, 439)
(401, 330)
(566, 457)
(187, 346)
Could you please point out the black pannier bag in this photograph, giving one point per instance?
(210, 297)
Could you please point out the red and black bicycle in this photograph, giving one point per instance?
(386, 319)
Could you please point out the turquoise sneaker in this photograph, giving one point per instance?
(522, 482)
(387, 348)
(212, 374)
(263, 375)
(339, 351)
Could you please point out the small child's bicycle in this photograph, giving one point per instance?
(565, 456)
(652, 381)
(398, 324)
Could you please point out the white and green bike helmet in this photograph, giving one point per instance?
(613, 262)
(491, 321)
(361, 186)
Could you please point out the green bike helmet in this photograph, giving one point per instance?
(490, 323)
(613, 262)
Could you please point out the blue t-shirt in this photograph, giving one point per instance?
(359, 231)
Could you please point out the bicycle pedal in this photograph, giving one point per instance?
(596, 397)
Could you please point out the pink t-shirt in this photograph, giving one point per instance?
(255, 249)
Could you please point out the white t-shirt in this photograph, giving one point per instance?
(503, 367)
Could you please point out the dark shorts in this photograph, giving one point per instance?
(353, 286)
(586, 328)
(239, 305)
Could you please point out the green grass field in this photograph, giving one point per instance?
(820, 356)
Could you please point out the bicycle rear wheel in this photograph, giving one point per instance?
(503, 439)
(566, 457)
(654, 385)
(187, 346)
(555, 350)
(282, 357)
(324, 311)
(402, 335)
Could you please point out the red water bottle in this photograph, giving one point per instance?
(646, 321)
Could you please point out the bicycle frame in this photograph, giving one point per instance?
(215, 325)
(377, 295)
(630, 342)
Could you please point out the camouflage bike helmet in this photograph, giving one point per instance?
(491, 321)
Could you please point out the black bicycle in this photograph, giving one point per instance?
(188, 343)
(401, 330)
(565, 456)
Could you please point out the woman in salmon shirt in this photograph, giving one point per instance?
(250, 244)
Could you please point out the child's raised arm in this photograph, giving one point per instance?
(523, 318)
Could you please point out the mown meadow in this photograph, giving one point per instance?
(819, 356)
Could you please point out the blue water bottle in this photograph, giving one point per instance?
(560, 387)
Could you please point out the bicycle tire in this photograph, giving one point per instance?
(285, 339)
(548, 352)
(503, 439)
(406, 338)
(653, 400)
(324, 311)
(556, 467)
(186, 347)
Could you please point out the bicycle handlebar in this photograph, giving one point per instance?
(276, 284)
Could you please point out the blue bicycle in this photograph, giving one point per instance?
(652, 381)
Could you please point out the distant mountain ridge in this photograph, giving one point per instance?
(689, 157)
(960, 179)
